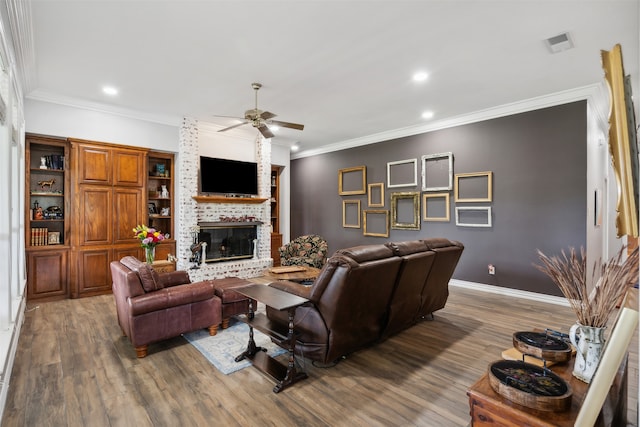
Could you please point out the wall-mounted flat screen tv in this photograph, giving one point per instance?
(232, 177)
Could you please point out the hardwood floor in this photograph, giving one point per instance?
(74, 368)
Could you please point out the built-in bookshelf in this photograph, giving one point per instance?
(47, 222)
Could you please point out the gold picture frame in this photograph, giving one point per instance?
(622, 142)
(375, 223)
(351, 213)
(470, 187)
(375, 195)
(352, 181)
(405, 210)
(428, 199)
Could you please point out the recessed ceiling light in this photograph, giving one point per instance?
(110, 90)
(295, 147)
(274, 128)
(420, 76)
(427, 115)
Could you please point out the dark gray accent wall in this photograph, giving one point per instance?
(539, 165)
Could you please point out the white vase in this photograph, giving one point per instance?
(589, 342)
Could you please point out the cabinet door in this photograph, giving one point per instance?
(94, 224)
(164, 249)
(136, 252)
(128, 211)
(276, 242)
(128, 168)
(47, 274)
(94, 275)
(93, 164)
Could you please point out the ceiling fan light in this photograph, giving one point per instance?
(274, 128)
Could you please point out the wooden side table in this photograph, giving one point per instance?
(285, 337)
(163, 266)
(488, 408)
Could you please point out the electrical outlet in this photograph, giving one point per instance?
(492, 269)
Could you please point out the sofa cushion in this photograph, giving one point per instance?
(407, 248)
(366, 253)
(148, 276)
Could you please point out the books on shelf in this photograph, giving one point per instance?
(52, 161)
(39, 236)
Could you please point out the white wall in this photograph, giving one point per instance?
(73, 122)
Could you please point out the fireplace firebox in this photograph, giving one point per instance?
(228, 241)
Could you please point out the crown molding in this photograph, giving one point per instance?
(558, 98)
(67, 101)
(21, 28)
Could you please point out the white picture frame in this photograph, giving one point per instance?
(464, 215)
(402, 173)
(437, 161)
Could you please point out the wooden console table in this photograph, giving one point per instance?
(285, 337)
(488, 408)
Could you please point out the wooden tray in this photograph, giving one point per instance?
(287, 269)
(529, 385)
(542, 346)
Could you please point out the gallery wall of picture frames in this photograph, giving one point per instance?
(408, 209)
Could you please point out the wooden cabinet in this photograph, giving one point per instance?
(108, 202)
(83, 199)
(275, 199)
(47, 217)
(98, 164)
(488, 408)
(276, 242)
(160, 200)
(47, 274)
(276, 237)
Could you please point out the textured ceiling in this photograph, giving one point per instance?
(342, 68)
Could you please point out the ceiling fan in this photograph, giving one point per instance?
(261, 119)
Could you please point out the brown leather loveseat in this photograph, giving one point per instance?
(154, 306)
(367, 293)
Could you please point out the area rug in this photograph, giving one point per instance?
(222, 348)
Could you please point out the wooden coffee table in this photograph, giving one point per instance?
(295, 273)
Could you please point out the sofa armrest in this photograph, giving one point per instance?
(171, 297)
(292, 287)
(174, 278)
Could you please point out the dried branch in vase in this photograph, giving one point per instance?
(569, 273)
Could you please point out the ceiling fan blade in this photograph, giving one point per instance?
(267, 115)
(234, 126)
(264, 130)
(228, 117)
(287, 124)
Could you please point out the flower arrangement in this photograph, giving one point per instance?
(149, 238)
(569, 273)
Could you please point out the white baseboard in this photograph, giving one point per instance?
(516, 293)
(8, 347)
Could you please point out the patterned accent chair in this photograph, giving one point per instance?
(309, 250)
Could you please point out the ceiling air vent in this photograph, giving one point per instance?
(559, 43)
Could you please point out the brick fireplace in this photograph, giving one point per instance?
(192, 214)
(229, 240)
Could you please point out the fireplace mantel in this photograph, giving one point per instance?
(222, 199)
(228, 223)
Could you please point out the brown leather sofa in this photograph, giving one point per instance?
(367, 293)
(154, 306)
